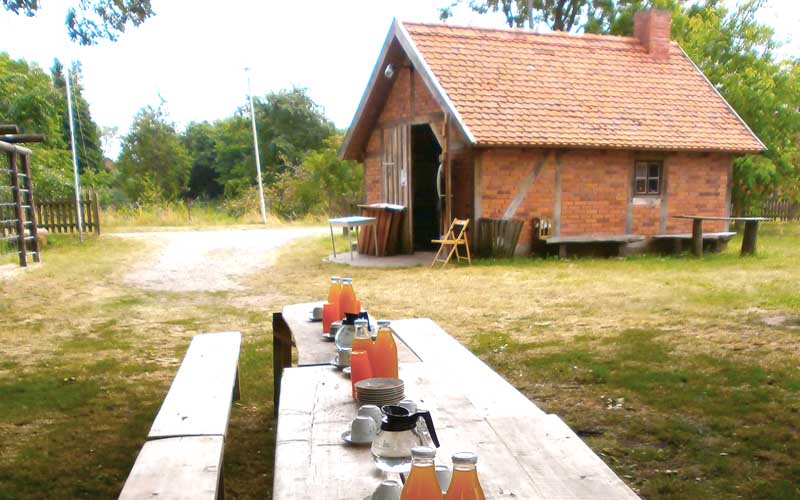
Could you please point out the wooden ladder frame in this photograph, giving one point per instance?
(24, 209)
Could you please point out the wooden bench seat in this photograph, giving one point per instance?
(199, 401)
(182, 457)
(725, 235)
(614, 240)
(177, 468)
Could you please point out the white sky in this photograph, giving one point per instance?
(192, 53)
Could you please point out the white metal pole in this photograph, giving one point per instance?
(74, 158)
(530, 14)
(255, 146)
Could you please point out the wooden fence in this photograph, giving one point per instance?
(60, 216)
(777, 210)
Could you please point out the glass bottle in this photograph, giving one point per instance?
(384, 352)
(361, 368)
(422, 483)
(347, 299)
(362, 341)
(334, 295)
(465, 485)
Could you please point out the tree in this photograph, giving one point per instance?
(559, 15)
(199, 140)
(87, 133)
(289, 125)
(93, 21)
(154, 166)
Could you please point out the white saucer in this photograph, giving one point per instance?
(330, 337)
(346, 370)
(346, 439)
(313, 320)
(337, 365)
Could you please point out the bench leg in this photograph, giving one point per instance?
(221, 483)
(237, 395)
(281, 353)
(697, 237)
(749, 238)
(562, 251)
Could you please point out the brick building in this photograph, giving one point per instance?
(607, 137)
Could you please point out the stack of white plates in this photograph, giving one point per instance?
(380, 391)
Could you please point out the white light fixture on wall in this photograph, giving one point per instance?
(389, 71)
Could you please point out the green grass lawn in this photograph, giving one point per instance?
(681, 373)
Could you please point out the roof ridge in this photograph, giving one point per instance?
(527, 32)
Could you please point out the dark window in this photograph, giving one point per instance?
(647, 178)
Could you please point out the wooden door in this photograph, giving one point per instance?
(396, 177)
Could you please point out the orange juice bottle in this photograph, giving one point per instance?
(422, 483)
(384, 353)
(465, 485)
(347, 299)
(362, 341)
(334, 293)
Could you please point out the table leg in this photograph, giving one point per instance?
(375, 237)
(350, 242)
(333, 242)
(281, 353)
(749, 238)
(358, 237)
(697, 237)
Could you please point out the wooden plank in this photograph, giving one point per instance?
(199, 401)
(456, 366)
(724, 235)
(590, 238)
(312, 349)
(557, 460)
(177, 468)
(96, 212)
(34, 230)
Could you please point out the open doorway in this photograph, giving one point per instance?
(425, 151)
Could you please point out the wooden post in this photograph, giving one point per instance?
(749, 238)
(95, 213)
(697, 237)
(281, 353)
(19, 212)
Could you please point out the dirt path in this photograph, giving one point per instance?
(189, 261)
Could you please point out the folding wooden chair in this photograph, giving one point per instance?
(450, 239)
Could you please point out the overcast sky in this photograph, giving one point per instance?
(193, 53)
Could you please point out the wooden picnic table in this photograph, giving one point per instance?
(524, 453)
(748, 238)
(353, 221)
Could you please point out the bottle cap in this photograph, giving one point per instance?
(423, 452)
(335, 279)
(465, 458)
(347, 281)
(383, 322)
(361, 322)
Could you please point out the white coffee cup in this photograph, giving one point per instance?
(409, 404)
(363, 430)
(343, 357)
(388, 490)
(373, 412)
(316, 313)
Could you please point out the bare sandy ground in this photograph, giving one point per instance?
(189, 261)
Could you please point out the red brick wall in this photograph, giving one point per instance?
(594, 190)
(697, 185)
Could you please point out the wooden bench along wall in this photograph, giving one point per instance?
(182, 457)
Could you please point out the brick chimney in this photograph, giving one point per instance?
(651, 27)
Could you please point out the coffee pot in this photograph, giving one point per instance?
(344, 335)
(391, 448)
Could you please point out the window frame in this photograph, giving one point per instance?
(647, 178)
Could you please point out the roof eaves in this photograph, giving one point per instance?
(746, 126)
(427, 74)
(376, 71)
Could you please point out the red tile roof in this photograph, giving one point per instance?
(516, 87)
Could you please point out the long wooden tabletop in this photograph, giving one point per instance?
(523, 452)
(312, 348)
